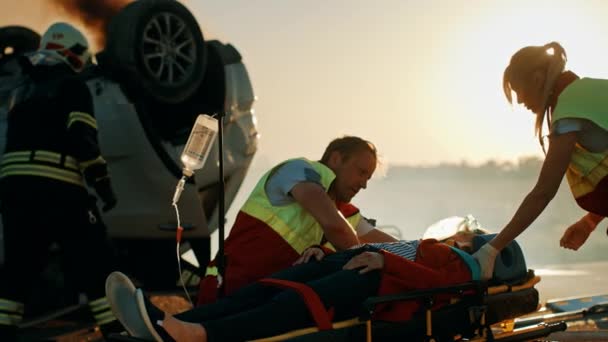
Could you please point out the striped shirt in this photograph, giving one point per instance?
(402, 248)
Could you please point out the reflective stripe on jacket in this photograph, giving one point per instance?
(42, 164)
(11, 312)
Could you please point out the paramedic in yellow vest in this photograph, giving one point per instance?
(51, 155)
(576, 112)
(297, 204)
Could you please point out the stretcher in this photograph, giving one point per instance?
(478, 311)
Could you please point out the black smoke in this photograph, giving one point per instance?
(94, 15)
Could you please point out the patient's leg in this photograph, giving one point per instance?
(256, 294)
(286, 311)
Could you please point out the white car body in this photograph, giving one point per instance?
(154, 77)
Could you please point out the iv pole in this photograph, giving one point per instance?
(220, 259)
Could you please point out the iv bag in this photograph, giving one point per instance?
(199, 143)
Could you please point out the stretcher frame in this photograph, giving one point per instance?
(475, 303)
(471, 315)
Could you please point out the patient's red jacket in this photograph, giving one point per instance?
(436, 265)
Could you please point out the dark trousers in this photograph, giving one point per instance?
(258, 311)
(34, 218)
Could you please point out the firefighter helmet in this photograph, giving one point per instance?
(66, 42)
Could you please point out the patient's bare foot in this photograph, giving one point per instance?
(183, 331)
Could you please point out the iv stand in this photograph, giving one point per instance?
(220, 259)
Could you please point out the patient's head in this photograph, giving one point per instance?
(456, 231)
(463, 239)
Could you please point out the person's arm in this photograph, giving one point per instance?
(576, 235)
(377, 235)
(367, 233)
(81, 127)
(313, 198)
(552, 172)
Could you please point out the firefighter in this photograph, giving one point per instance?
(52, 154)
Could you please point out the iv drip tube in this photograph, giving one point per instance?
(178, 238)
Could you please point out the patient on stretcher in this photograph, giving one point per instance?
(342, 281)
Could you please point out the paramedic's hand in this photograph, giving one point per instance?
(576, 235)
(367, 261)
(486, 256)
(311, 252)
(104, 190)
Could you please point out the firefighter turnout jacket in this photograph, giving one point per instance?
(52, 131)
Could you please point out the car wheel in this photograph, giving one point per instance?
(160, 46)
(16, 40)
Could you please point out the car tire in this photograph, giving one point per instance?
(157, 47)
(16, 40)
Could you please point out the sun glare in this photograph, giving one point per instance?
(481, 49)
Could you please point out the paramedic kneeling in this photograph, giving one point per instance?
(297, 204)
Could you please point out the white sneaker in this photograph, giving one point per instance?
(120, 293)
(141, 304)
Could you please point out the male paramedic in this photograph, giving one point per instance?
(297, 204)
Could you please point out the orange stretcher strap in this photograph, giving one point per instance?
(316, 308)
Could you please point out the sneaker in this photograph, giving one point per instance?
(120, 293)
(152, 317)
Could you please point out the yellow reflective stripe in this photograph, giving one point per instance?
(98, 160)
(47, 156)
(42, 171)
(71, 163)
(12, 306)
(585, 171)
(39, 155)
(299, 242)
(15, 157)
(583, 162)
(104, 318)
(581, 186)
(101, 311)
(82, 117)
(211, 271)
(54, 157)
(99, 304)
(8, 319)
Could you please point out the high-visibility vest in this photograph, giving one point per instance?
(292, 222)
(586, 98)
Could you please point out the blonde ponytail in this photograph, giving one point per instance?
(556, 66)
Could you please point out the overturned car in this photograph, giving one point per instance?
(150, 82)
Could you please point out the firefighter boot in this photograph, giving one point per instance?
(104, 318)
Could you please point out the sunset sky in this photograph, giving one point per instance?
(420, 79)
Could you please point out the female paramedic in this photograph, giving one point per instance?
(342, 280)
(575, 110)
